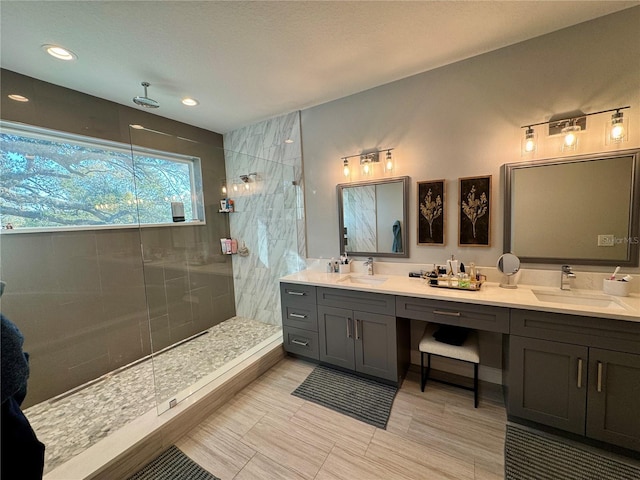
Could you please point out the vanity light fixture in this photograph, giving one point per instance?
(368, 161)
(572, 124)
(59, 52)
(18, 98)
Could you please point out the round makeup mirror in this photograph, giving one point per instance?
(509, 265)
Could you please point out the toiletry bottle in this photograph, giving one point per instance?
(234, 245)
(227, 246)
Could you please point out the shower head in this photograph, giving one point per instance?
(145, 101)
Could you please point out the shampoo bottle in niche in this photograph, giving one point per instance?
(234, 245)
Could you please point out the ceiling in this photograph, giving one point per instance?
(249, 61)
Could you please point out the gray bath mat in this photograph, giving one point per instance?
(172, 464)
(532, 455)
(363, 399)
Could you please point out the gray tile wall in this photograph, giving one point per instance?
(80, 298)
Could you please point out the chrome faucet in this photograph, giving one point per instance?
(369, 265)
(565, 278)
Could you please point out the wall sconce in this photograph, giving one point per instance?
(368, 161)
(223, 187)
(570, 125)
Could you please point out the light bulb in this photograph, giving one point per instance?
(345, 169)
(570, 139)
(617, 132)
(224, 189)
(529, 145)
(367, 168)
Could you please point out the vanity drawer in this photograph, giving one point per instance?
(295, 294)
(300, 316)
(619, 335)
(356, 300)
(482, 317)
(301, 342)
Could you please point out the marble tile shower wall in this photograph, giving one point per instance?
(269, 216)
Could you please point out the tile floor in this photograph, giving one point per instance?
(266, 433)
(69, 425)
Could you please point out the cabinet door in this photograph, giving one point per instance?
(375, 345)
(335, 329)
(613, 404)
(548, 382)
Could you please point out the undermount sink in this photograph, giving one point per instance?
(363, 279)
(585, 300)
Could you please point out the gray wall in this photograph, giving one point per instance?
(80, 298)
(464, 120)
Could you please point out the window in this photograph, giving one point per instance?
(53, 179)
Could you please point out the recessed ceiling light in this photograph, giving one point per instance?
(18, 98)
(59, 52)
(137, 127)
(190, 102)
(288, 140)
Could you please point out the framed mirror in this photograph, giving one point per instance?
(582, 210)
(373, 217)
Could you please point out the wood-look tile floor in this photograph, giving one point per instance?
(266, 433)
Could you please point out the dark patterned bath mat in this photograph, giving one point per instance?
(533, 455)
(172, 464)
(363, 399)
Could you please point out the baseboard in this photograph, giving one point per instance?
(449, 365)
(124, 452)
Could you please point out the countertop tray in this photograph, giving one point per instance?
(455, 287)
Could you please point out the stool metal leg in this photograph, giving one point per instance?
(475, 385)
(422, 379)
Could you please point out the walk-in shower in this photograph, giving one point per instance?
(120, 319)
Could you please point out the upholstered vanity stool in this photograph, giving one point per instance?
(467, 352)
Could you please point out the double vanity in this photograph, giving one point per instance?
(571, 360)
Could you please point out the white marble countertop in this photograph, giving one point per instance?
(524, 297)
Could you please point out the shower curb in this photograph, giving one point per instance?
(133, 446)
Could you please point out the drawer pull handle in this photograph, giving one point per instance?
(299, 294)
(300, 342)
(450, 314)
(579, 373)
(297, 315)
(357, 334)
(348, 328)
(599, 388)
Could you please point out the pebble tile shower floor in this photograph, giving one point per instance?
(71, 424)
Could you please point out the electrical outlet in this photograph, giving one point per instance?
(606, 240)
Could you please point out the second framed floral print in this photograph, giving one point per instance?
(431, 212)
(474, 225)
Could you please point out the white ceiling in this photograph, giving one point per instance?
(249, 61)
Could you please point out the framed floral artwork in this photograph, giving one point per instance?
(431, 212)
(474, 212)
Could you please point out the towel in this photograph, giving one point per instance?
(451, 335)
(397, 237)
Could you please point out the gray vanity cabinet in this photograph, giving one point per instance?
(613, 400)
(548, 382)
(299, 319)
(579, 374)
(362, 340)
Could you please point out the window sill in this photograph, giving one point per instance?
(80, 228)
